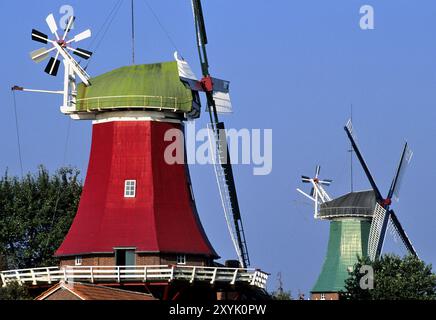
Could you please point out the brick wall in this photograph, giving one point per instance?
(327, 296)
(191, 260)
(97, 260)
(142, 259)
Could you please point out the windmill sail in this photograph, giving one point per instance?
(382, 215)
(402, 234)
(227, 191)
(375, 231)
(215, 103)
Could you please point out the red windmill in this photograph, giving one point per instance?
(137, 222)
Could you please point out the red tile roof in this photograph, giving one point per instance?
(84, 291)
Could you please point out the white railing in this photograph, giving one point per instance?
(101, 274)
(138, 101)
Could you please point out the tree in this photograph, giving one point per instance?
(35, 214)
(280, 293)
(14, 291)
(395, 278)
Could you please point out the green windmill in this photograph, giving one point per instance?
(358, 224)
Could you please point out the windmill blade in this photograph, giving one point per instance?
(68, 26)
(317, 170)
(349, 130)
(326, 182)
(219, 132)
(222, 102)
(312, 191)
(406, 157)
(81, 36)
(39, 36)
(53, 66)
(375, 240)
(52, 25)
(85, 54)
(199, 17)
(305, 179)
(40, 54)
(184, 68)
(221, 96)
(227, 188)
(402, 234)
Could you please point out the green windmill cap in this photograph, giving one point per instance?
(154, 86)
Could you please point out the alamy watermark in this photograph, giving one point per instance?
(366, 282)
(203, 146)
(367, 19)
(67, 12)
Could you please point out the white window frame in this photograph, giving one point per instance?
(322, 296)
(129, 188)
(181, 259)
(78, 261)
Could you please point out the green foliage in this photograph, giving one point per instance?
(285, 295)
(14, 291)
(35, 214)
(281, 295)
(395, 278)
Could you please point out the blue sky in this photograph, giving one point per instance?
(295, 67)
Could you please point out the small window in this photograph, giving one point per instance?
(130, 189)
(78, 261)
(322, 296)
(181, 259)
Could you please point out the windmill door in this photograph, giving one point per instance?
(125, 257)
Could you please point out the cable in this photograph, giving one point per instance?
(104, 28)
(18, 133)
(161, 26)
(58, 195)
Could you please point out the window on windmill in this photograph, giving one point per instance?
(78, 261)
(130, 189)
(181, 259)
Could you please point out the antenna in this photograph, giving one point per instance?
(61, 46)
(280, 289)
(133, 31)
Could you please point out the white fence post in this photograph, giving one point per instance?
(214, 275)
(253, 281)
(92, 274)
(17, 275)
(172, 274)
(48, 276)
(235, 275)
(3, 279)
(193, 274)
(65, 274)
(32, 272)
(145, 274)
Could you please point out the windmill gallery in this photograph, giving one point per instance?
(137, 233)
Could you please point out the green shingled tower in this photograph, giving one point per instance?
(350, 221)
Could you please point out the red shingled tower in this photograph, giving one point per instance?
(157, 221)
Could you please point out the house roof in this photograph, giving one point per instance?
(82, 291)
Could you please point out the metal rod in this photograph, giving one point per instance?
(133, 31)
(17, 88)
(351, 155)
